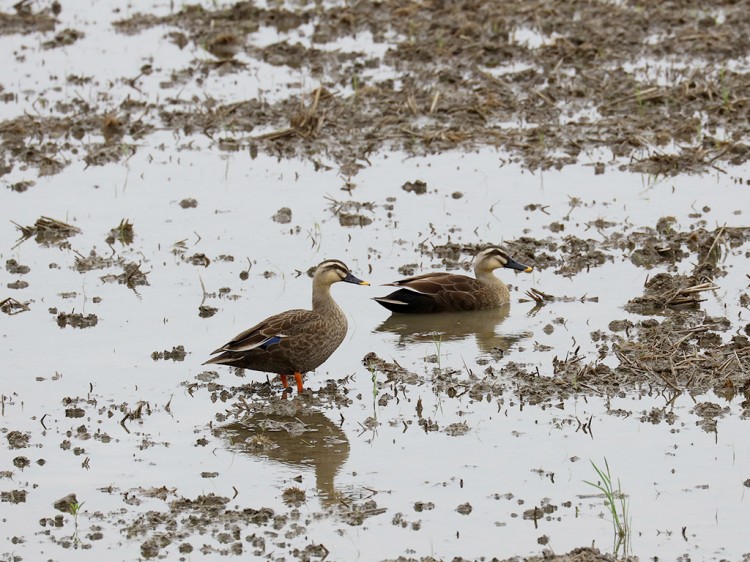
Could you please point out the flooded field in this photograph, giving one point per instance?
(170, 175)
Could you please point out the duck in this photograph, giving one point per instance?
(449, 292)
(297, 341)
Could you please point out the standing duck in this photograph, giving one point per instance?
(296, 341)
(448, 292)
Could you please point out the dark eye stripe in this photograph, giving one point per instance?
(335, 264)
(495, 251)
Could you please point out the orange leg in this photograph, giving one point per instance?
(298, 378)
(284, 381)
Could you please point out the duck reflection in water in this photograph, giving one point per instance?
(453, 327)
(307, 439)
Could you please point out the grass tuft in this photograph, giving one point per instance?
(617, 504)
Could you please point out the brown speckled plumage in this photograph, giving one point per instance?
(448, 292)
(296, 341)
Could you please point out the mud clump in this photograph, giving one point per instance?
(205, 311)
(63, 39)
(465, 509)
(21, 186)
(539, 512)
(224, 46)
(710, 413)
(352, 213)
(74, 412)
(13, 496)
(678, 354)
(294, 496)
(18, 284)
(14, 268)
(392, 371)
(64, 503)
(417, 187)
(346, 219)
(18, 439)
(26, 21)
(457, 429)
(408, 269)
(77, 320)
(665, 245)
(207, 515)
(283, 216)
(132, 276)
(177, 353)
(423, 506)
(94, 261)
(664, 290)
(150, 548)
(199, 260)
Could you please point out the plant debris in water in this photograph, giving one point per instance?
(77, 320)
(662, 99)
(122, 233)
(48, 231)
(454, 76)
(177, 353)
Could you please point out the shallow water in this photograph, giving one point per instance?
(500, 454)
(694, 478)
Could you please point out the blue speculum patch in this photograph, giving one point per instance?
(269, 342)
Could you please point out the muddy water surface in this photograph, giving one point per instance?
(442, 452)
(129, 253)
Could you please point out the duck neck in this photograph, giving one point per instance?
(486, 276)
(322, 299)
(496, 288)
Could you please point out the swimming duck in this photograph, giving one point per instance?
(448, 292)
(296, 341)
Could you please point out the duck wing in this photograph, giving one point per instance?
(432, 292)
(268, 332)
(435, 283)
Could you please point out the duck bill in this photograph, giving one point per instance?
(351, 279)
(513, 264)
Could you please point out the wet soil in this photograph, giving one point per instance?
(650, 86)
